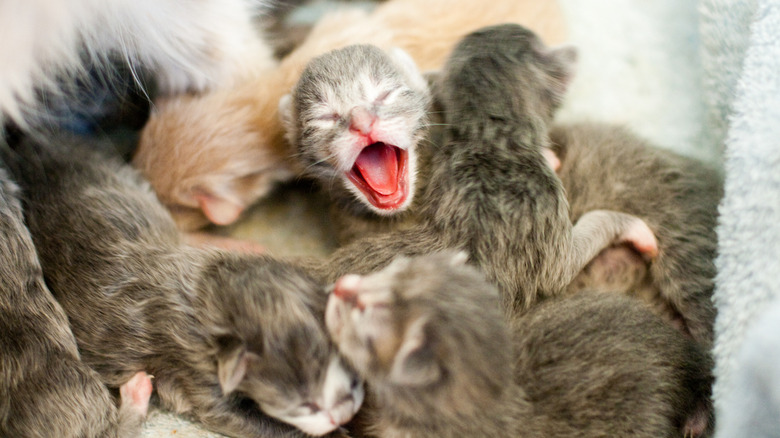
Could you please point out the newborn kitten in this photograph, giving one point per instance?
(439, 361)
(490, 191)
(210, 156)
(235, 341)
(355, 117)
(608, 167)
(45, 388)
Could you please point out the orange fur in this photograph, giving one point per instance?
(220, 152)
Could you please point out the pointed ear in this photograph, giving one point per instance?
(415, 363)
(232, 361)
(564, 65)
(407, 65)
(218, 210)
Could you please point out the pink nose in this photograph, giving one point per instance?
(362, 120)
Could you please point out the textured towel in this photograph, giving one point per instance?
(749, 236)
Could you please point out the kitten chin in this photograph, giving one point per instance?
(211, 134)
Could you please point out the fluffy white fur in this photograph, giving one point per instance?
(188, 45)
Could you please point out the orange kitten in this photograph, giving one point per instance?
(211, 156)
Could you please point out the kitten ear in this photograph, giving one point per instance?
(232, 362)
(415, 363)
(218, 210)
(407, 65)
(563, 65)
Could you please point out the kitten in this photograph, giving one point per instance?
(355, 117)
(45, 388)
(190, 47)
(608, 167)
(235, 341)
(211, 156)
(439, 361)
(490, 191)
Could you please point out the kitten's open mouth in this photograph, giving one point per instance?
(381, 173)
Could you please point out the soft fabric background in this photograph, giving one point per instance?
(673, 71)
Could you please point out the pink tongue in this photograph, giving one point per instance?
(378, 165)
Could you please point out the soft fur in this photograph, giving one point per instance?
(45, 388)
(209, 157)
(490, 191)
(188, 47)
(427, 335)
(234, 341)
(608, 167)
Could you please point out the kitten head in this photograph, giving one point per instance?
(274, 349)
(355, 117)
(425, 332)
(505, 73)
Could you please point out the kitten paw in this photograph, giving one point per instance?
(135, 394)
(642, 238)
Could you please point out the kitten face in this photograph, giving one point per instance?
(355, 118)
(418, 322)
(319, 407)
(304, 382)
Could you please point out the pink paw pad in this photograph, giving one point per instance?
(552, 160)
(642, 238)
(136, 392)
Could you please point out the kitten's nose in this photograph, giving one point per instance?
(362, 120)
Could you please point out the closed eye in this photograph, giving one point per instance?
(331, 117)
(312, 407)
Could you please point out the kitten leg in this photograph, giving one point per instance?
(134, 404)
(598, 229)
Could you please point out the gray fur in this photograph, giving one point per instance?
(440, 361)
(222, 333)
(608, 167)
(45, 388)
(490, 191)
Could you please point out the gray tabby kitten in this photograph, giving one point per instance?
(606, 166)
(235, 341)
(45, 388)
(490, 191)
(355, 118)
(439, 361)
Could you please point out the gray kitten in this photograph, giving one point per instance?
(439, 360)
(490, 191)
(355, 118)
(606, 166)
(235, 341)
(45, 388)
